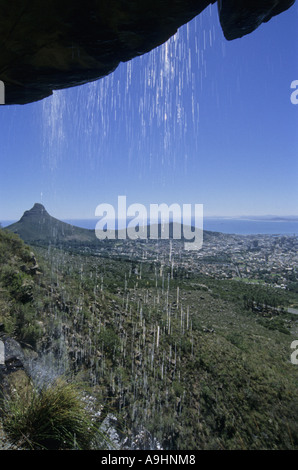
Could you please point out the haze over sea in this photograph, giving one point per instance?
(241, 226)
(249, 226)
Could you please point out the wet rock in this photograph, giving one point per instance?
(53, 45)
(13, 354)
(13, 374)
(137, 439)
(2, 353)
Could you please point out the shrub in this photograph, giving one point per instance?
(53, 418)
(110, 341)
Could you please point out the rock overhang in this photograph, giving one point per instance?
(52, 45)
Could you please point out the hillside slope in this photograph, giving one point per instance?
(37, 225)
(180, 358)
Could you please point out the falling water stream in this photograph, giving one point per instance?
(146, 115)
(138, 132)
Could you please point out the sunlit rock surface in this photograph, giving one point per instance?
(58, 44)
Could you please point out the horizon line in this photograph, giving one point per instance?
(250, 216)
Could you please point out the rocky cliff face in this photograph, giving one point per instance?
(58, 44)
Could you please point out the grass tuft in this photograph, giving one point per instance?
(53, 418)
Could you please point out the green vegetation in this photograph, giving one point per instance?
(17, 288)
(37, 226)
(200, 363)
(52, 418)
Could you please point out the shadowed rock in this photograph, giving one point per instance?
(53, 45)
(241, 17)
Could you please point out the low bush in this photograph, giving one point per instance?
(53, 418)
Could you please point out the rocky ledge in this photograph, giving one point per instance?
(12, 359)
(58, 44)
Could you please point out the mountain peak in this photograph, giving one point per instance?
(38, 225)
(38, 206)
(36, 211)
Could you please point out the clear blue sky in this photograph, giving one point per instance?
(198, 120)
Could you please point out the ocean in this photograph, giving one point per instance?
(252, 226)
(228, 225)
(239, 226)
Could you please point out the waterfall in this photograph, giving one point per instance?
(142, 118)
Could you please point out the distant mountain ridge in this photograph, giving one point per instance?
(37, 225)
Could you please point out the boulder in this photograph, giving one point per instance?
(11, 354)
(13, 374)
(2, 354)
